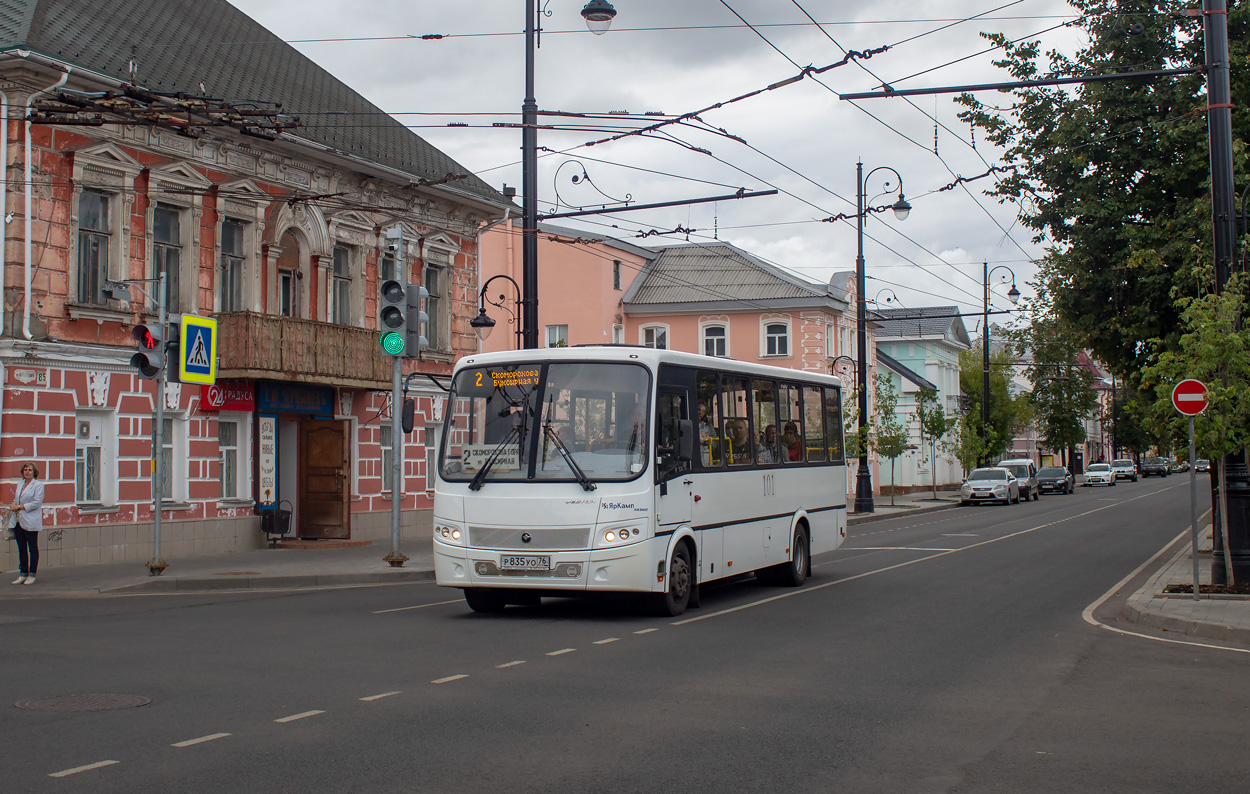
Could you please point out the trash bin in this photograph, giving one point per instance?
(276, 522)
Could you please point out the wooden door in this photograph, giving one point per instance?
(325, 479)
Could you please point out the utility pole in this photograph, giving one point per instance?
(1235, 477)
(158, 564)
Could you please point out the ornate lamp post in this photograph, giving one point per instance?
(1014, 296)
(483, 323)
(598, 15)
(863, 477)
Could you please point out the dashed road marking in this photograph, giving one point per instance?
(646, 631)
(562, 651)
(201, 740)
(420, 606)
(300, 716)
(449, 679)
(77, 769)
(605, 642)
(510, 664)
(372, 698)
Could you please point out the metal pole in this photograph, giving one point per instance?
(985, 362)
(157, 564)
(529, 188)
(1193, 504)
(863, 476)
(397, 454)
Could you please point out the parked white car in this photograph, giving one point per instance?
(1099, 474)
(990, 484)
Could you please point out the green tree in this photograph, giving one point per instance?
(1008, 415)
(889, 436)
(1215, 349)
(1115, 176)
(934, 425)
(968, 444)
(1063, 394)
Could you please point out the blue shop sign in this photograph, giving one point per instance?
(291, 398)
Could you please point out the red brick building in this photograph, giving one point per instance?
(125, 162)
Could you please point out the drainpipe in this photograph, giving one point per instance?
(28, 189)
(4, 210)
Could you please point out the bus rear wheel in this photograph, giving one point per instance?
(483, 599)
(680, 583)
(792, 573)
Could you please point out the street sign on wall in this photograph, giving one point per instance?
(1190, 397)
(197, 350)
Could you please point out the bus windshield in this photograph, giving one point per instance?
(583, 422)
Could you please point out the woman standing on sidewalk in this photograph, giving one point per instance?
(26, 515)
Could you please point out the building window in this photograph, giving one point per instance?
(93, 246)
(776, 339)
(388, 457)
(232, 449)
(655, 337)
(341, 287)
(433, 306)
(388, 269)
(167, 253)
(433, 434)
(616, 274)
(231, 283)
(831, 349)
(173, 446)
(557, 336)
(618, 334)
(90, 453)
(286, 293)
(715, 342)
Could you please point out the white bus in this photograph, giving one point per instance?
(612, 468)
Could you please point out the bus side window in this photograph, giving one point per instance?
(710, 453)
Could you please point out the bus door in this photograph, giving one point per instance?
(673, 432)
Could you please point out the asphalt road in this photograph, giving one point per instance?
(933, 653)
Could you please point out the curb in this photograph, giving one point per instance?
(1136, 611)
(866, 518)
(215, 585)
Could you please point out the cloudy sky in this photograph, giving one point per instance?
(678, 56)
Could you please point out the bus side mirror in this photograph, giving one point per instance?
(685, 440)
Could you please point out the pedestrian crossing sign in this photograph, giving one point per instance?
(197, 350)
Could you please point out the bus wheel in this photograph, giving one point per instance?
(680, 583)
(793, 573)
(482, 599)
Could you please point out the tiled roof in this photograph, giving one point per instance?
(703, 272)
(923, 321)
(179, 44)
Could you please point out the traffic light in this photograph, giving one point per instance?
(150, 359)
(414, 342)
(393, 317)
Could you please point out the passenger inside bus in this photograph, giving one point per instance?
(791, 441)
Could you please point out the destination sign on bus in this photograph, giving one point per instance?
(472, 458)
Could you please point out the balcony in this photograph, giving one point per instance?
(273, 347)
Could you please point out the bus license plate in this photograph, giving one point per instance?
(527, 562)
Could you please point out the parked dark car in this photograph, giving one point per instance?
(1178, 465)
(1055, 479)
(1154, 466)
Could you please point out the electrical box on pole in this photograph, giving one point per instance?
(414, 340)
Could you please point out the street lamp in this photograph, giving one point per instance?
(598, 15)
(1014, 296)
(863, 477)
(483, 323)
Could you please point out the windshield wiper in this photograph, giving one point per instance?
(551, 434)
(480, 477)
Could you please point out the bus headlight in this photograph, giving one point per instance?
(618, 535)
(447, 532)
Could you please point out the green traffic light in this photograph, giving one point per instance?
(392, 343)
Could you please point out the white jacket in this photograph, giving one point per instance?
(30, 516)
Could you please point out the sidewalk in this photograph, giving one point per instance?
(1213, 617)
(244, 570)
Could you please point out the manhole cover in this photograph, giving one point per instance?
(83, 703)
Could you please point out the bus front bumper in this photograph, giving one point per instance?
(627, 568)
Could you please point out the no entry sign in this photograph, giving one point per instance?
(1190, 397)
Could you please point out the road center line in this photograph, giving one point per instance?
(77, 769)
(509, 664)
(201, 740)
(372, 698)
(419, 606)
(865, 574)
(646, 631)
(896, 548)
(605, 642)
(449, 679)
(562, 651)
(300, 716)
